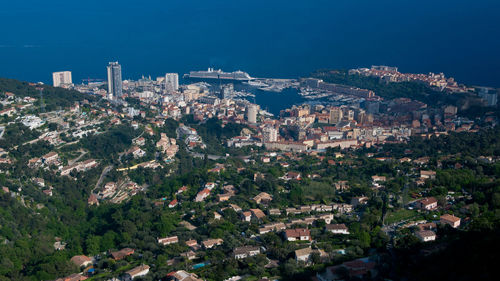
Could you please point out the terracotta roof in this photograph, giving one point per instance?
(258, 213)
(118, 255)
(137, 270)
(450, 218)
(297, 232)
(428, 201)
(80, 260)
(426, 233)
(336, 226)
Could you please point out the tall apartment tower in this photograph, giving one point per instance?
(252, 113)
(335, 115)
(61, 78)
(270, 134)
(115, 89)
(171, 82)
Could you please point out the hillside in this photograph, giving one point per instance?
(54, 98)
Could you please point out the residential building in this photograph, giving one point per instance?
(173, 203)
(270, 134)
(252, 113)
(118, 255)
(335, 115)
(217, 216)
(277, 226)
(139, 271)
(298, 234)
(304, 255)
(171, 82)
(210, 243)
(50, 158)
(182, 275)
(192, 243)
(337, 228)
(257, 214)
(202, 195)
(137, 152)
(190, 255)
(428, 174)
(428, 204)
(224, 197)
(451, 220)
(61, 78)
(426, 235)
(81, 261)
(263, 197)
(245, 251)
(274, 212)
(168, 240)
(246, 216)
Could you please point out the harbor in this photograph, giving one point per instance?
(218, 76)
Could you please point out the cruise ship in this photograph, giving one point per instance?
(212, 74)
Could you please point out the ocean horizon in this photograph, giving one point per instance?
(278, 39)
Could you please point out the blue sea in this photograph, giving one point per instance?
(266, 38)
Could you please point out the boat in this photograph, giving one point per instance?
(211, 74)
(243, 94)
(257, 84)
(272, 88)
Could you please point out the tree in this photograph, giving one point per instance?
(315, 258)
(108, 240)
(93, 244)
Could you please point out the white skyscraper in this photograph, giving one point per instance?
(115, 88)
(61, 78)
(171, 82)
(252, 113)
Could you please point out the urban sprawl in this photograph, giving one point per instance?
(280, 195)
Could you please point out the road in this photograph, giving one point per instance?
(201, 155)
(73, 161)
(106, 170)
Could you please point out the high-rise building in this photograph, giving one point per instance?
(226, 91)
(350, 115)
(270, 134)
(489, 95)
(115, 89)
(361, 117)
(61, 78)
(252, 113)
(171, 82)
(335, 115)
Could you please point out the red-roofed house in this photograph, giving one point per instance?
(450, 220)
(172, 203)
(298, 234)
(427, 204)
(118, 255)
(202, 195)
(81, 260)
(168, 240)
